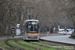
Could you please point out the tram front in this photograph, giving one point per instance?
(31, 30)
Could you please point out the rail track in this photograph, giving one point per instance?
(33, 45)
(27, 45)
(6, 42)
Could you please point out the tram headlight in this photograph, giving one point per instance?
(26, 33)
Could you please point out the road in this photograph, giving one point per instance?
(61, 38)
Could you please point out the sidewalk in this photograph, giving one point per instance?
(5, 37)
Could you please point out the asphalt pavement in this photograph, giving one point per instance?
(61, 39)
(6, 37)
(2, 38)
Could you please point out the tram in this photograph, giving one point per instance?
(31, 30)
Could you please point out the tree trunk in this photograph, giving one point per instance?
(8, 31)
(10, 21)
(74, 26)
(21, 22)
(3, 24)
(73, 18)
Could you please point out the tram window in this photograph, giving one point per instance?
(29, 26)
(32, 28)
(35, 28)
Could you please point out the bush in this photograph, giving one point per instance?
(4, 34)
(73, 35)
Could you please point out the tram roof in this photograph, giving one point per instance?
(31, 20)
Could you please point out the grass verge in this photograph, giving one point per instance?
(6, 47)
(19, 46)
(36, 46)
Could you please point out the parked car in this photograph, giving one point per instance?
(65, 32)
(61, 31)
(72, 30)
(68, 32)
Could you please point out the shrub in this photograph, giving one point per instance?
(73, 35)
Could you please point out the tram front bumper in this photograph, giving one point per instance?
(32, 38)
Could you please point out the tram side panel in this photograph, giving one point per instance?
(24, 33)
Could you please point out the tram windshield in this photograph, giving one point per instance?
(32, 28)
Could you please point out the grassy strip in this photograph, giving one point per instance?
(35, 46)
(3, 45)
(57, 45)
(6, 47)
(20, 46)
(44, 44)
(49, 43)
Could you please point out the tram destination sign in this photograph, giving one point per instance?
(32, 23)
